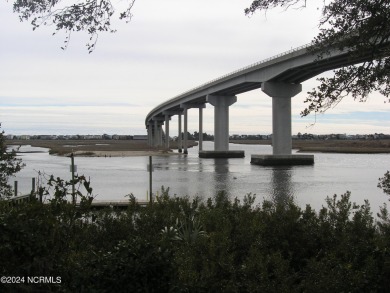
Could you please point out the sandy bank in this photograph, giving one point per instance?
(332, 146)
(123, 153)
(100, 148)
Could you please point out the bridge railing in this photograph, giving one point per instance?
(247, 67)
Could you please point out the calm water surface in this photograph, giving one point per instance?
(113, 178)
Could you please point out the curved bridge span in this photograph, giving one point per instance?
(280, 77)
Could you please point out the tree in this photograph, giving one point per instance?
(384, 183)
(361, 26)
(92, 16)
(9, 165)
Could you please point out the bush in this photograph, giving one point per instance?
(183, 245)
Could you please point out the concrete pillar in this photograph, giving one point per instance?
(200, 128)
(221, 120)
(150, 133)
(167, 118)
(155, 134)
(160, 135)
(185, 144)
(281, 94)
(179, 138)
(157, 131)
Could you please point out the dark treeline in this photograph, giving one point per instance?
(182, 245)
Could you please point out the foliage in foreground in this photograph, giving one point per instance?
(9, 165)
(183, 245)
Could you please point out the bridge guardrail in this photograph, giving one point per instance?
(246, 67)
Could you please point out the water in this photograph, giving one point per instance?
(113, 178)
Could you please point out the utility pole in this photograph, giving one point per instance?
(150, 180)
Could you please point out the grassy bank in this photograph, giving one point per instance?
(88, 147)
(332, 146)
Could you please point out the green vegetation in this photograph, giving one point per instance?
(9, 165)
(182, 245)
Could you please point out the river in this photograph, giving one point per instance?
(114, 177)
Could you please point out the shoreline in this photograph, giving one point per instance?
(109, 154)
(99, 148)
(380, 146)
(129, 148)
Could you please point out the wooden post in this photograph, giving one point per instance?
(16, 188)
(33, 185)
(32, 188)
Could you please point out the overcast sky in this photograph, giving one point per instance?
(168, 47)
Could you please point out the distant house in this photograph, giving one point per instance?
(92, 137)
(47, 137)
(341, 136)
(140, 137)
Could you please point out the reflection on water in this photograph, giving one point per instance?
(282, 189)
(112, 178)
(221, 176)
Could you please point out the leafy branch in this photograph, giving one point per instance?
(59, 190)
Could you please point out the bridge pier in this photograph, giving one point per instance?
(201, 127)
(157, 134)
(185, 136)
(185, 108)
(221, 128)
(281, 94)
(179, 137)
(150, 133)
(167, 117)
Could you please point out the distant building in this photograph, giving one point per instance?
(47, 137)
(92, 137)
(107, 136)
(140, 137)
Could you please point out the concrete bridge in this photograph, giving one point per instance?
(280, 77)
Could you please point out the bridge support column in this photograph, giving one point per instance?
(185, 108)
(167, 118)
(221, 128)
(281, 94)
(157, 134)
(221, 120)
(185, 138)
(179, 137)
(160, 133)
(201, 128)
(150, 133)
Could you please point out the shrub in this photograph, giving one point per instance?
(183, 245)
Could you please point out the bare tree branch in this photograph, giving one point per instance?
(91, 16)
